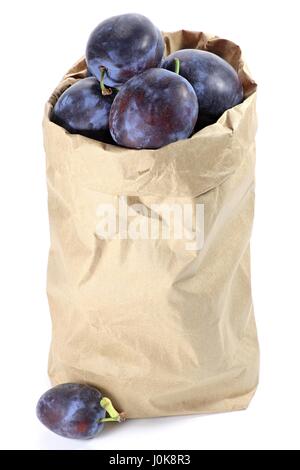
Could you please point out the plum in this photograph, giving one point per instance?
(153, 109)
(82, 109)
(125, 45)
(216, 83)
(76, 411)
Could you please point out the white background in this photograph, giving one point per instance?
(39, 41)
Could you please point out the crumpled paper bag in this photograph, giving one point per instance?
(160, 329)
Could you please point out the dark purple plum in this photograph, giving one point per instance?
(125, 46)
(82, 109)
(153, 109)
(214, 80)
(75, 411)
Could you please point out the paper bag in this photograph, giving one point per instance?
(159, 325)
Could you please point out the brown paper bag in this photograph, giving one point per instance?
(161, 329)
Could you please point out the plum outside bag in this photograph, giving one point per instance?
(161, 329)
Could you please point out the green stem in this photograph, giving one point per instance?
(104, 90)
(177, 65)
(107, 420)
(114, 415)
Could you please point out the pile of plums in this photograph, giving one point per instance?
(135, 98)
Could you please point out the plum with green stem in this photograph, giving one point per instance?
(215, 81)
(83, 109)
(76, 411)
(125, 45)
